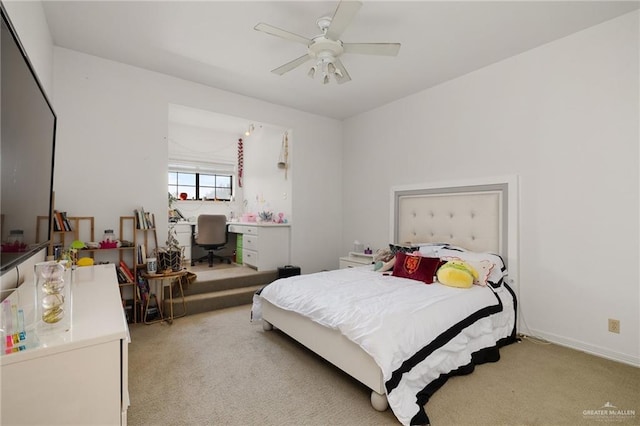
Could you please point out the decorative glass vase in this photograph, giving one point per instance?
(53, 296)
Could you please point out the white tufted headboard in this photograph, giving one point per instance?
(478, 215)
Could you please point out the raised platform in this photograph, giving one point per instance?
(221, 286)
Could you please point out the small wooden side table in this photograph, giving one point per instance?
(167, 278)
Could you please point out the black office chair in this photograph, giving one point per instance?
(212, 236)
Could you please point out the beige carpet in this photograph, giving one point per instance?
(218, 368)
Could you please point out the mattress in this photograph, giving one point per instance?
(418, 334)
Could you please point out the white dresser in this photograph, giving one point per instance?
(355, 259)
(265, 246)
(74, 377)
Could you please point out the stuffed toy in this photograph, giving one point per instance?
(456, 273)
(384, 260)
(482, 267)
(85, 261)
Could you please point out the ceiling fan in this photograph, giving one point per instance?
(327, 48)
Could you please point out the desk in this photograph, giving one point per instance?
(169, 278)
(265, 246)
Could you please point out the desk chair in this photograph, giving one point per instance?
(212, 235)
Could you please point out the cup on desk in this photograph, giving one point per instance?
(152, 265)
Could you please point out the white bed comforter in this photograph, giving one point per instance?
(415, 332)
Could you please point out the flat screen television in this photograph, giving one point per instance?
(27, 145)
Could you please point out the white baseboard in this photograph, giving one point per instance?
(585, 347)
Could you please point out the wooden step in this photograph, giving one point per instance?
(200, 286)
(219, 292)
(206, 302)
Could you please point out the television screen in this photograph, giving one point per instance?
(27, 140)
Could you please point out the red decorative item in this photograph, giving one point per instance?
(183, 196)
(240, 162)
(108, 244)
(14, 247)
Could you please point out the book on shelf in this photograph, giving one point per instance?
(148, 221)
(57, 224)
(122, 277)
(61, 222)
(65, 222)
(127, 272)
(143, 219)
(142, 254)
(142, 291)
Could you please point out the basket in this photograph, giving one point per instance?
(170, 259)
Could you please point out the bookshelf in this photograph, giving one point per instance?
(78, 225)
(147, 228)
(128, 264)
(139, 233)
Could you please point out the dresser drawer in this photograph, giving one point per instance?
(243, 229)
(250, 242)
(250, 257)
(354, 261)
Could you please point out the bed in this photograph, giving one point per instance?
(400, 337)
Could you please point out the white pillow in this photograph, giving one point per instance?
(431, 249)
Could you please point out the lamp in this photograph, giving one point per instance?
(249, 130)
(326, 65)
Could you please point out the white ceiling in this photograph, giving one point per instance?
(214, 43)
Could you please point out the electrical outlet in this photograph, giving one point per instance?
(614, 326)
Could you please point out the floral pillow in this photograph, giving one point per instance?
(418, 268)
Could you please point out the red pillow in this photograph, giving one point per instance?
(416, 267)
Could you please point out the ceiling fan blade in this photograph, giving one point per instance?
(291, 65)
(345, 12)
(384, 49)
(275, 31)
(345, 75)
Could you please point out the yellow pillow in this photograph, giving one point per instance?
(456, 273)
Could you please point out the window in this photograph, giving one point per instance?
(201, 186)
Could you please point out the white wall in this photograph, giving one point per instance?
(112, 149)
(564, 117)
(265, 187)
(31, 25)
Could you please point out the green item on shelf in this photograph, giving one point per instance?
(77, 244)
(239, 249)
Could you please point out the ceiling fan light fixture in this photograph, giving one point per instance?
(312, 71)
(325, 79)
(331, 68)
